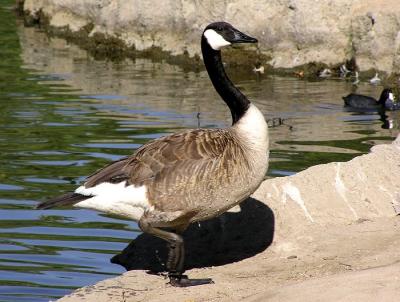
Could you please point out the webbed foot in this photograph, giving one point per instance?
(183, 281)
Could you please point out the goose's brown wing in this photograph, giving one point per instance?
(163, 165)
(181, 172)
(169, 156)
(187, 170)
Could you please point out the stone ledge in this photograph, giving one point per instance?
(289, 37)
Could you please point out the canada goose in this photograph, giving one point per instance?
(189, 176)
(359, 101)
(375, 80)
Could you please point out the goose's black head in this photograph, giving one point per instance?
(387, 94)
(220, 34)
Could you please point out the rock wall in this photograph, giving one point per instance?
(291, 32)
(366, 187)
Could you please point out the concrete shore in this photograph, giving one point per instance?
(328, 233)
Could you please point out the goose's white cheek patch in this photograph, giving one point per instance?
(215, 40)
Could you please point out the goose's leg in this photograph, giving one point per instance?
(176, 255)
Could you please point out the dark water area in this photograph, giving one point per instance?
(64, 115)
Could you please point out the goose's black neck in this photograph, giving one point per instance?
(236, 101)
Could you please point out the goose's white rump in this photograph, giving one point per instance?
(119, 199)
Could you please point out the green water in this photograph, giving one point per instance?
(64, 115)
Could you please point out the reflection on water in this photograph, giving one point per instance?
(64, 115)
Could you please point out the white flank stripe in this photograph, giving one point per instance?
(129, 201)
(215, 40)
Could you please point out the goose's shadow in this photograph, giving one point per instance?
(228, 238)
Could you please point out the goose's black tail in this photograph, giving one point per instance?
(67, 199)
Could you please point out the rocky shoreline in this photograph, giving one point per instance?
(360, 31)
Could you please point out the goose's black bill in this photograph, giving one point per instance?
(240, 37)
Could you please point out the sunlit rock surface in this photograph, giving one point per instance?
(365, 187)
(291, 32)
